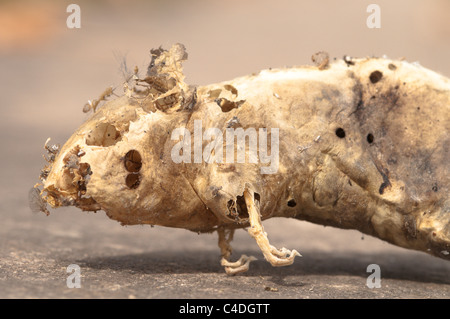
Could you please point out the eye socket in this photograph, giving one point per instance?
(370, 138)
(133, 180)
(340, 133)
(133, 161)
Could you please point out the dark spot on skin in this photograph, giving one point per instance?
(370, 138)
(234, 122)
(359, 106)
(215, 190)
(383, 186)
(227, 168)
(392, 67)
(385, 183)
(291, 203)
(375, 76)
(340, 133)
(328, 94)
(391, 98)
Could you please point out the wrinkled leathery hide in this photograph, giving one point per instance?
(362, 145)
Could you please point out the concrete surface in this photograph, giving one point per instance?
(44, 83)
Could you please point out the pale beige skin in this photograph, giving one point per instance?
(387, 177)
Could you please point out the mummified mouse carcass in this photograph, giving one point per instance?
(359, 144)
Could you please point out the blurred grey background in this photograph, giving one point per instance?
(49, 71)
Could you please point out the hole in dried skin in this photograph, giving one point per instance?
(291, 203)
(231, 207)
(375, 76)
(227, 105)
(133, 180)
(238, 209)
(231, 88)
(257, 199)
(370, 138)
(241, 207)
(133, 161)
(104, 135)
(340, 133)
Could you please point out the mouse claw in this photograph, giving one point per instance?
(276, 257)
(239, 266)
(236, 267)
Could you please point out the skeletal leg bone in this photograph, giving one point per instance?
(276, 257)
(231, 268)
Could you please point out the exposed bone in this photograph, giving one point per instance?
(274, 256)
(231, 268)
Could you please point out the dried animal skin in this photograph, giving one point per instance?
(362, 145)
